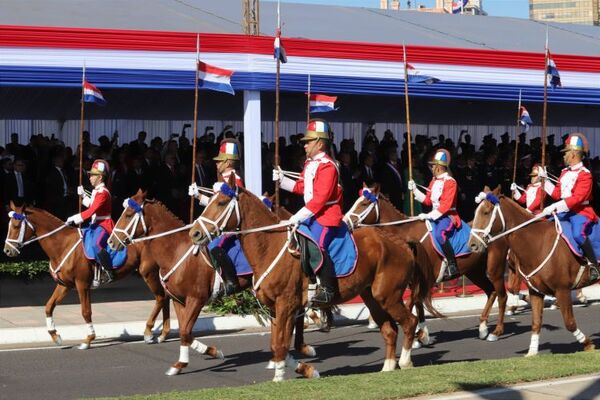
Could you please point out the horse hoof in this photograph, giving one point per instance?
(173, 371)
(492, 338)
(309, 351)
(483, 334)
(589, 347)
(219, 355)
(278, 379)
(149, 339)
(372, 325)
(416, 344)
(510, 313)
(531, 354)
(389, 365)
(316, 374)
(160, 339)
(270, 365)
(406, 366)
(58, 340)
(84, 346)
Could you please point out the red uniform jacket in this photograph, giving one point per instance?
(532, 198)
(101, 205)
(442, 196)
(575, 188)
(318, 184)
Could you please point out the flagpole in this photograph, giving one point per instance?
(308, 102)
(514, 176)
(81, 133)
(544, 116)
(277, 109)
(408, 135)
(192, 199)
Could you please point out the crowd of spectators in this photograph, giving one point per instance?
(45, 172)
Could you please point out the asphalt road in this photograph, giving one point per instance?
(116, 368)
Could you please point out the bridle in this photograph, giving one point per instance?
(18, 242)
(360, 217)
(131, 228)
(484, 235)
(222, 220)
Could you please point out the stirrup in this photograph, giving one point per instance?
(594, 272)
(95, 284)
(322, 297)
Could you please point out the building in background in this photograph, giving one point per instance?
(474, 7)
(569, 11)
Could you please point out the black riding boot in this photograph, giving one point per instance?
(228, 273)
(106, 263)
(588, 252)
(326, 289)
(451, 269)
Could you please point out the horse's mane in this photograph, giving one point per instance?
(521, 209)
(259, 207)
(384, 197)
(47, 214)
(166, 210)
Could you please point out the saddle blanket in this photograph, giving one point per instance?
(342, 250)
(94, 240)
(567, 236)
(233, 248)
(459, 239)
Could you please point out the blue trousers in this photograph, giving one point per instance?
(581, 226)
(443, 228)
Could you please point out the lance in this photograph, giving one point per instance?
(81, 133)
(192, 199)
(308, 101)
(408, 135)
(277, 108)
(514, 176)
(544, 115)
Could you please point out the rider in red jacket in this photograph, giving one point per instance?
(533, 193)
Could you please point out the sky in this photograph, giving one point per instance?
(497, 8)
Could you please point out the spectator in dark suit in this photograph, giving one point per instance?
(5, 177)
(56, 188)
(14, 148)
(168, 187)
(139, 145)
(18, 186)
(366, 169)
(390, 177)
(349, 185)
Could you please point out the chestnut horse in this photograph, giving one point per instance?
(551, 269)
(187, 276)
(366, 212)
(70, 268)
(384, 269)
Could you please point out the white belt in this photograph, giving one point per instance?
(102, 218)
(330, 203)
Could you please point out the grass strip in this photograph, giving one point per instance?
(429, 380)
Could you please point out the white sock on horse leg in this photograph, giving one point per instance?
(91, 330)
(534, 344)
(579, 336)
(184, 354)
(279, 371)
(199, 347)
(50, 324)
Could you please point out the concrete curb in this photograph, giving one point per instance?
(348, 313)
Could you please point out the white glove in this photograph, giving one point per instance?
(542, 173)
(193, 190)
(74, 219)
(513, 187)
(80, 191)
(277, 175)
(294, 220)
(302, 214)
(412, 185)
(423, 216)
(549, 210)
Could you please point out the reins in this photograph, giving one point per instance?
(374, 205)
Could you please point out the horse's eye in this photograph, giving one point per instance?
(222, 203)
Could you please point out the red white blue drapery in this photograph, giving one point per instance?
(53, 57)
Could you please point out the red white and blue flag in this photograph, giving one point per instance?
(553, 74)
(214, 78)
(458, 6)
(322, 103)
(91, 94)
(414, 76)
(278, 50)
(525, 119)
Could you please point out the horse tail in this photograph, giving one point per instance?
(422, 279)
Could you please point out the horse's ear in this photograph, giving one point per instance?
(12, 206)
(497, 191)
(365, 185)
(486, 189)
(231, 180)
(376, 188)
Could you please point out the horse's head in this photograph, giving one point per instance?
(131, 223)
(488, 219)
(221, 214)
(20, 230)
(365, 209)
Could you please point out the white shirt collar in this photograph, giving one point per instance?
(442, 175)
(577, 166)
(100, 185)
(318, 156)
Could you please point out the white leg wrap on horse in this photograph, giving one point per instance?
(534, 345)
(291, 362)
(199, 347)
(50, 324)
(579, 336)
(483, 330)
(279, 371)
(404, 360)
(389, 365)
(184, 354)
(91, 330)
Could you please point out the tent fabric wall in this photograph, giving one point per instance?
(38, 56)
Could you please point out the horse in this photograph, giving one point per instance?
(384, 269)
(190, 279)
(551, 269)
(62, 245)
(378, 209)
